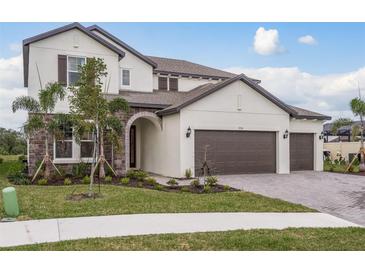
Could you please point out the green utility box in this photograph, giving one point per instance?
(10, 202)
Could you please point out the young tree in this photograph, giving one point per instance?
(41, 117)
(358, 109)
(92, 112)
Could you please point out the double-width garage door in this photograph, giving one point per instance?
(235, 152)
(301, 151)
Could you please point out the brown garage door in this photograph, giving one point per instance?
(301, 151)
(235, 152)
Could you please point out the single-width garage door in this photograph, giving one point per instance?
(301, 151)
(235, 152)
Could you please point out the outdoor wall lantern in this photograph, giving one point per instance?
(286, 134)
(321, 136)
(188, 132)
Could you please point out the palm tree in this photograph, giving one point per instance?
(41, 117)
(358, 109)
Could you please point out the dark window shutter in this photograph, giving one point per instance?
(173, 84)
(62, 70)
(162, 83)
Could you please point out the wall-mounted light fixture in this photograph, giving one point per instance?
(321, 136)
(188, 132)
(286, 134)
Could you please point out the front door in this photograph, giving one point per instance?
(132, 145)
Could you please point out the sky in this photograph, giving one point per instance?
(317, 66)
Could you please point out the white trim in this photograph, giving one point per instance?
(121, 78)
(67, 70)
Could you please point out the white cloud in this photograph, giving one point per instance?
(266, 42)
(11, 86)
(307, 39)
(15, 47)
(329, 94)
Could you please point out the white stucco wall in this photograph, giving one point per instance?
(44, 53)
(185, 84)
(315, 127)
(160, 149)
(218, 111)
(141, 72)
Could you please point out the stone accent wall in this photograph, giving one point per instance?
(119, 156)
(37, 148)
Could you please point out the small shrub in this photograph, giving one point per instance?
(62, 171)
(172, 182)
(19, 178)
(150, 181)
(108, 179)
(188, 173)
(226, 188)
(185, 189)
(86, 180)
(158, 187)
(124, 181)
(21, 158)
(139, 184)
(42, 182)
(207, 188)
(67, 182)
(80, 169)
(139, 175)
(1, 160)
(195, 183)
(211, 180)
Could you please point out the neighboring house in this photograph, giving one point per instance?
(343, 134)
(181, 112)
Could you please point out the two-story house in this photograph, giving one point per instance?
(181, 112)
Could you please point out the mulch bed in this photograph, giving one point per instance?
(58, 181)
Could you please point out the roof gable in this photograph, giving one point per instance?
(122, 44)
(54, 32)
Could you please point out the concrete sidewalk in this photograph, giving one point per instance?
(53, 230)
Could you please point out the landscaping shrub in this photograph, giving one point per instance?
(80, 169)
(172, 182)
(1, 160)
(16, 174)
(108, 179)
(21, 158)
(139, 184)
(226, 187)
(195, 183)
(42, 182)
(139, 175)
(150, 181)
(124, 181)
(188, 173)
(158, 187)
(211, 180)
(67, 182)
(207, 188)
(86, 180)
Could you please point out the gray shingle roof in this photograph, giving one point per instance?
(301, 112)
(182, 67)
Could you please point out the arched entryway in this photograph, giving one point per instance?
(133, 129)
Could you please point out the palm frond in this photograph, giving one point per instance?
(25, 103)
(49, 96)
(35, 122)
(114, 124)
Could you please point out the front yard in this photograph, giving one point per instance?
(38, 202)
(263, 239)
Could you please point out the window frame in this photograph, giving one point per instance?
(177, 83)
(68, 70)
(62, 159)
(121, 78)
(85, 159)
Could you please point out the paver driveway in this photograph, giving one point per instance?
(338, 194)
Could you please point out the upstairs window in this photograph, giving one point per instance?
(173, 84)
(162, 83)
(73, 65)
(63, 143)
(126, 78)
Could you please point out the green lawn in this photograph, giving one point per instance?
(37, 202)
(263, 239)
